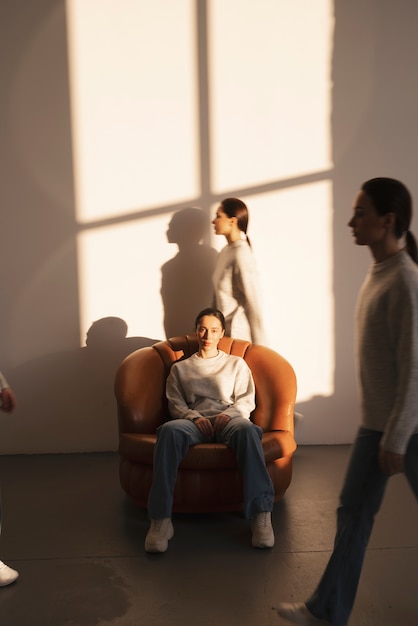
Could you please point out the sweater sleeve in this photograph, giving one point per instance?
(244, 393)
(177, 397)
(3, 382)
(403, 418)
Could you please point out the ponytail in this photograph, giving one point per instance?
(234, 207)
(411, 246)
(391, 196)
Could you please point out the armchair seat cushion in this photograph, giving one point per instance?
(140, 449)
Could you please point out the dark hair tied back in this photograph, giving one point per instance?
(391, 196)
(234, 207)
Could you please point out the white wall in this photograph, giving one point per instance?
(53, 291)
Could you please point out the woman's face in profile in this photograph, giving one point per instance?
(367, 226)
(222, 222)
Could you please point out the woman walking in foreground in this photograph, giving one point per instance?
(387, 361)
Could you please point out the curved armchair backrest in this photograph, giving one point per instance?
(141, 377)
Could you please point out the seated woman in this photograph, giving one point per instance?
(210, 398)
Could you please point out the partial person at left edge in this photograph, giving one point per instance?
(8, 404)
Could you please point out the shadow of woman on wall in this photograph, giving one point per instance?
(66, 399)
(186, 279)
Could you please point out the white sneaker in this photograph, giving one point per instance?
(7, 575)
(298, 613)
(263, 535)
(159, 534)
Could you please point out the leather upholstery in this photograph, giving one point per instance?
(208, 478)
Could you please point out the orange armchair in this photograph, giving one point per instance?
(208, 478)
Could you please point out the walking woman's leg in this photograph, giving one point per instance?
(360, 500)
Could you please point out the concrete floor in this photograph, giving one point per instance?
(78, 545)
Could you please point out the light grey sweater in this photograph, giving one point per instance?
(199, 387)
(387, 350)
(235, 283)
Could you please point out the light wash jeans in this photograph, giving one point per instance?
(360, 500)
(173, 441)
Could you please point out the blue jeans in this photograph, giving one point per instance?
(173, 441)
(360, 500)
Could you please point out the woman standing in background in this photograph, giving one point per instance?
(235, 278)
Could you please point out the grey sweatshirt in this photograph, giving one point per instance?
(199, 387)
